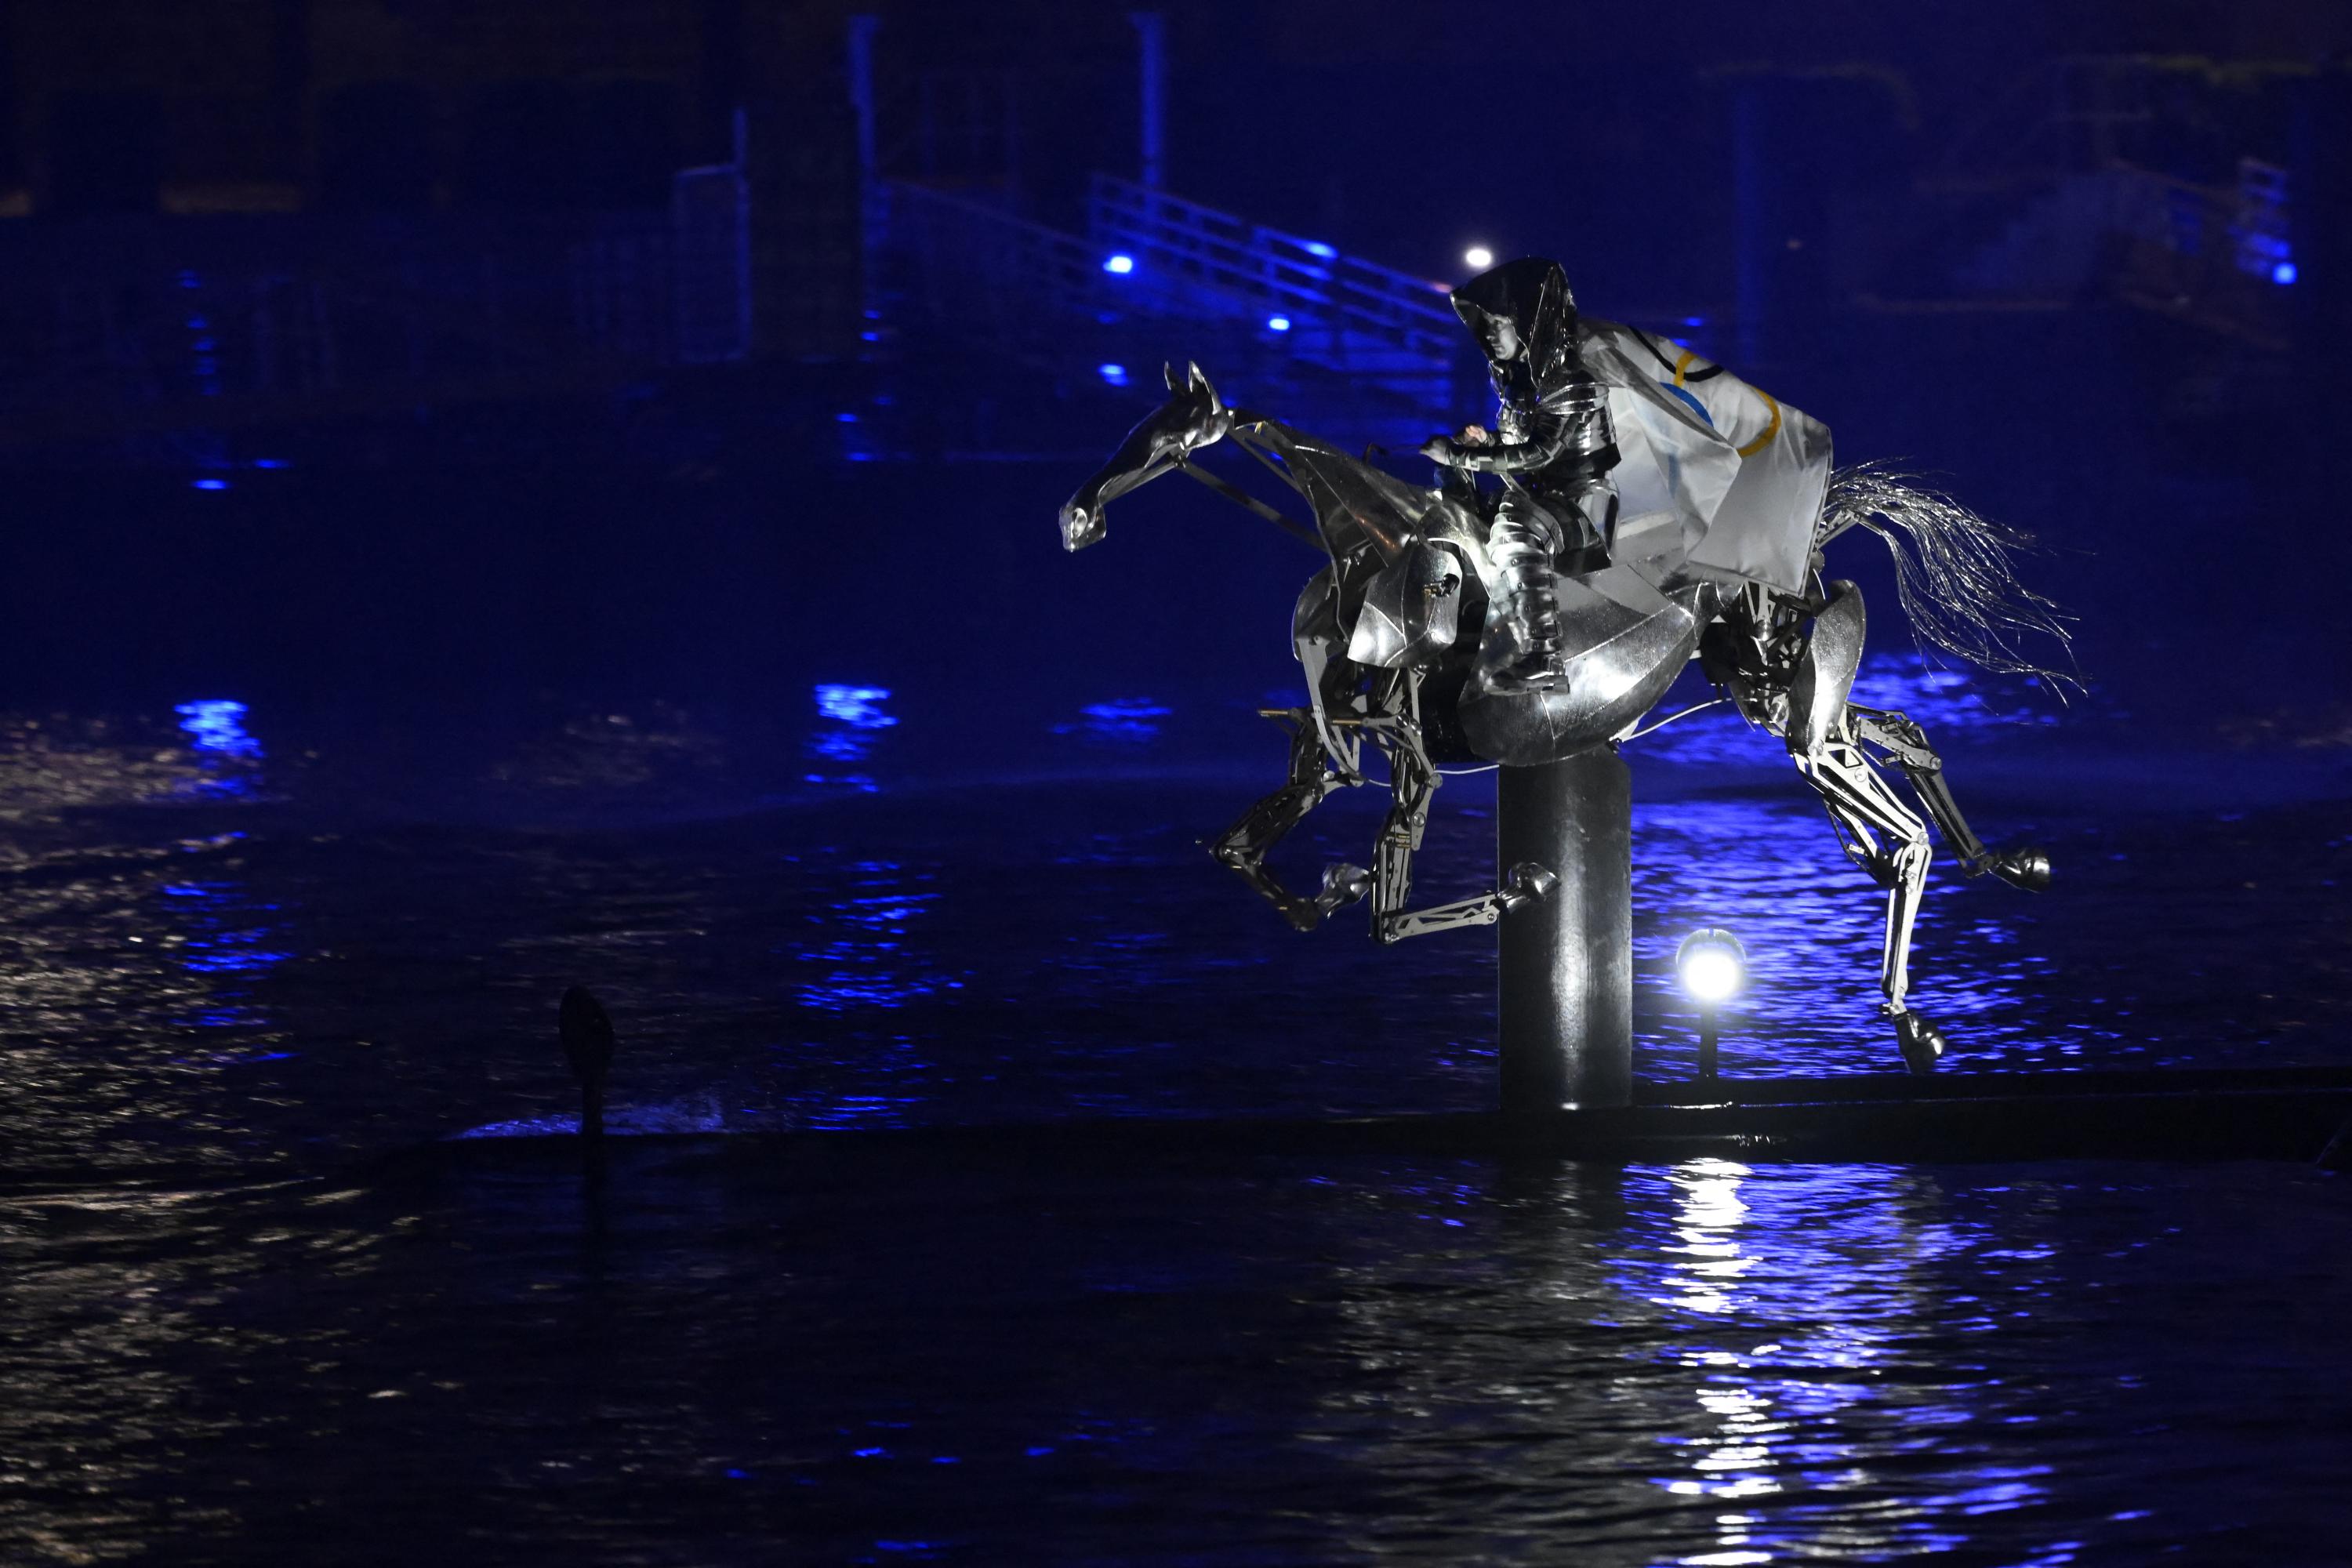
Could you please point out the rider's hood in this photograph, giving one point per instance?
(1522, 314)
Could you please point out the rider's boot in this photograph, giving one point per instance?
(1525, 656)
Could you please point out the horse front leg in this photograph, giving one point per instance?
(1415, 780)
(1886, 839)
(1413, 784)
(1246, 845)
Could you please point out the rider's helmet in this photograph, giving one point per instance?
(1524, 318)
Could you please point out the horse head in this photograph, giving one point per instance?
(1193, 416)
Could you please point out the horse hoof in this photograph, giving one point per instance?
(2028, 868)
(1920, 1041)
(1527, 882)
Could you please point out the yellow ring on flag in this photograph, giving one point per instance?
(1771, 430)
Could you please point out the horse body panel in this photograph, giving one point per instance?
(1624, 643)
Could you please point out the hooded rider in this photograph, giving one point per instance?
(1552, 445)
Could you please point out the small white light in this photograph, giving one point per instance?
(1478, 257)
(1120, 263)
(1277, 323)
(1712, 964)
(1114, 373)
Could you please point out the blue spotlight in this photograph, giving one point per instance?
(212, 484)
(1277, 323)
(1316, 248)
(1114, 373)
(1120, 263)
(2284, 272)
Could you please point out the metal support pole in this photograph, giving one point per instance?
(1568, 959)
(1152, 27)
(862, 29)
(861, 90)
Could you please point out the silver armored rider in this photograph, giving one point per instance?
(1646, 507)
(1552, 446)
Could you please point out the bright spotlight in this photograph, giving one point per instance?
(1478, 257)
(1277, 323)
(1712, 964)
(1120, 263)
(2284, 272)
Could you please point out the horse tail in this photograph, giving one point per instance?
(1953, 574)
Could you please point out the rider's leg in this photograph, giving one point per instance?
(1522, 542)
(1887, 839)
(1244, 845)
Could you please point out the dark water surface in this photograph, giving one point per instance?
(255, 961)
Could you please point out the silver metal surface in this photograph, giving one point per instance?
(1825, 671)
(1509, 614)
(1566, 969)
(1412, 609)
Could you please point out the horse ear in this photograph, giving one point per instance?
(1168, 373)
(1199, 384)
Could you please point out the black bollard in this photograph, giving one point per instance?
(1567, 959)
(587, 1033)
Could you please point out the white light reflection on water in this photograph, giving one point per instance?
(1800, 1297)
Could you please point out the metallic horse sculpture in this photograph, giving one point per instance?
(1436, 632)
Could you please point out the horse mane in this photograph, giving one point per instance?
(1953, 574)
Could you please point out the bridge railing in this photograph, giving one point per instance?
(1339, 311)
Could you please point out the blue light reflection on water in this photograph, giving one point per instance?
(216, 731)
(217, 726)
(849, 718)
(233, 942)
(1125, 721)
(865, 958)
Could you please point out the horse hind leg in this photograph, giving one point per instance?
(1246, 845)
(1887, 839)
(1902, 740)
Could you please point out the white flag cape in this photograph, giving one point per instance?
(1713, 473)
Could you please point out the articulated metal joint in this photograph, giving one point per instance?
(1525, 883)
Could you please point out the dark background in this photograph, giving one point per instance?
(343, 345)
